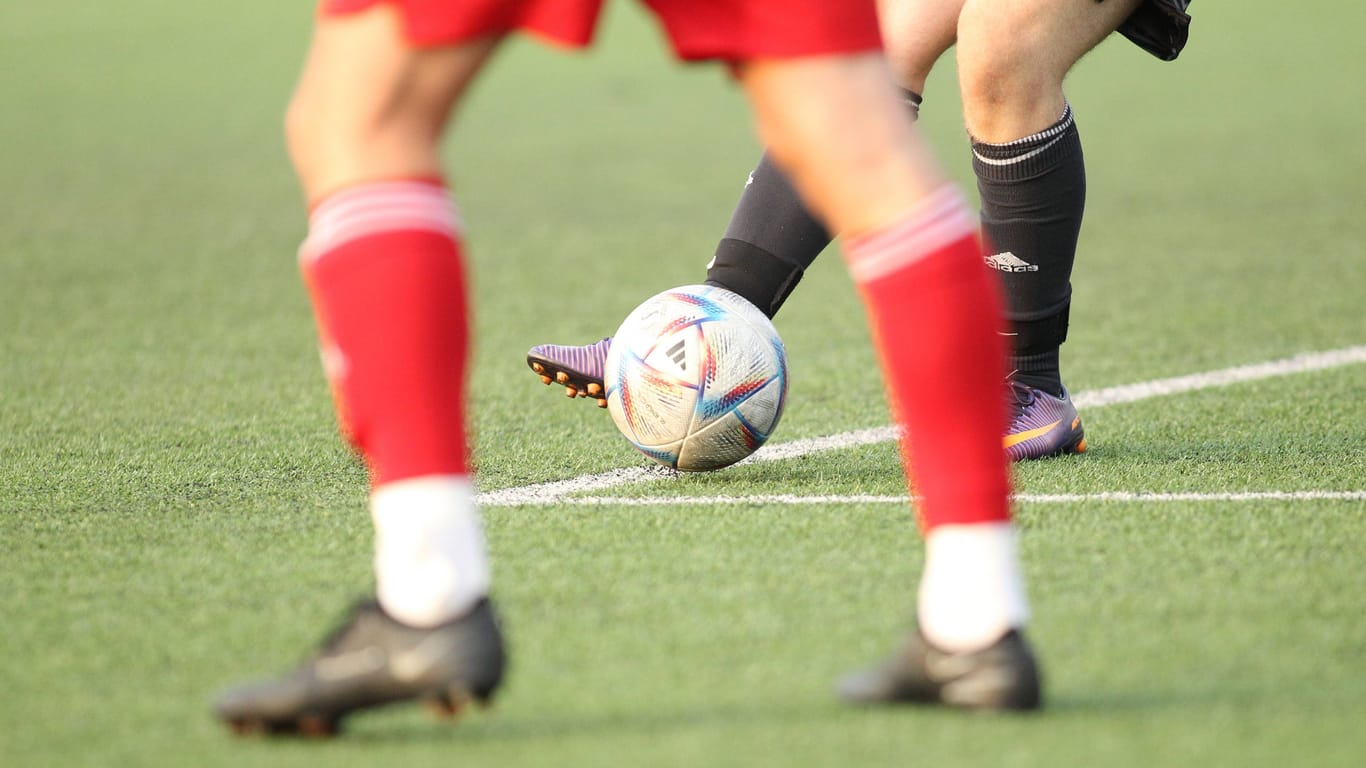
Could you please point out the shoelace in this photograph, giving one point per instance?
(1019, 397)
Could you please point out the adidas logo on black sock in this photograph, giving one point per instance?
(1009, 262)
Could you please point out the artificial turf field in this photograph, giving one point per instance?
(178, 514)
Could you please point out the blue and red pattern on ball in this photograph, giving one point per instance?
(710, 311)
(711, 407)
(755, 437)
(667, 458)
(654, 378)
(780, 355)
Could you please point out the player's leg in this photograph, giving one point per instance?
(1027, 155)
(384, 264)
(384, 267)
(911, 243)
(771, 238)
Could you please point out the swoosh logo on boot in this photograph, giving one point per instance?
(415, 662)
(1020, 437)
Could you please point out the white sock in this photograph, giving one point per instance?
(430, 565)
(972, 591)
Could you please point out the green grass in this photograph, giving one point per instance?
(176, 513)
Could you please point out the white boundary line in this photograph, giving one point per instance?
(1022, 498)
(556, 492)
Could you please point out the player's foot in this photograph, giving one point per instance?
(1003, 676)
(372, 660)
(1041, 425)
(579, 369)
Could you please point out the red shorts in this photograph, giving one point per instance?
(731, 30)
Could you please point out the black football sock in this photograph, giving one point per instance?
(1033, 195)
(771, 238)
(769, 242)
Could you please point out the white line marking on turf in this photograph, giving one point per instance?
(1023, 498)
(1305, 363)
(556, 491)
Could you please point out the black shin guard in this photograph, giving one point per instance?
(1033, 196)
(1034, 351)
(771, 238)
(761, 277)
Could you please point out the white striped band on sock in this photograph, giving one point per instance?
(369, 209)
(1049, 136)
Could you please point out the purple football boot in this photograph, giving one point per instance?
(579, 369)
(1041, 425)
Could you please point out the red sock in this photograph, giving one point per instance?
(935, 313)
(383, 265)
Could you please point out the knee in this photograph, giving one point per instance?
(336, 141)
(1004, 55)
(323, 136)
(1011, 63)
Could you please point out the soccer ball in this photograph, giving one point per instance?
(696, 378)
